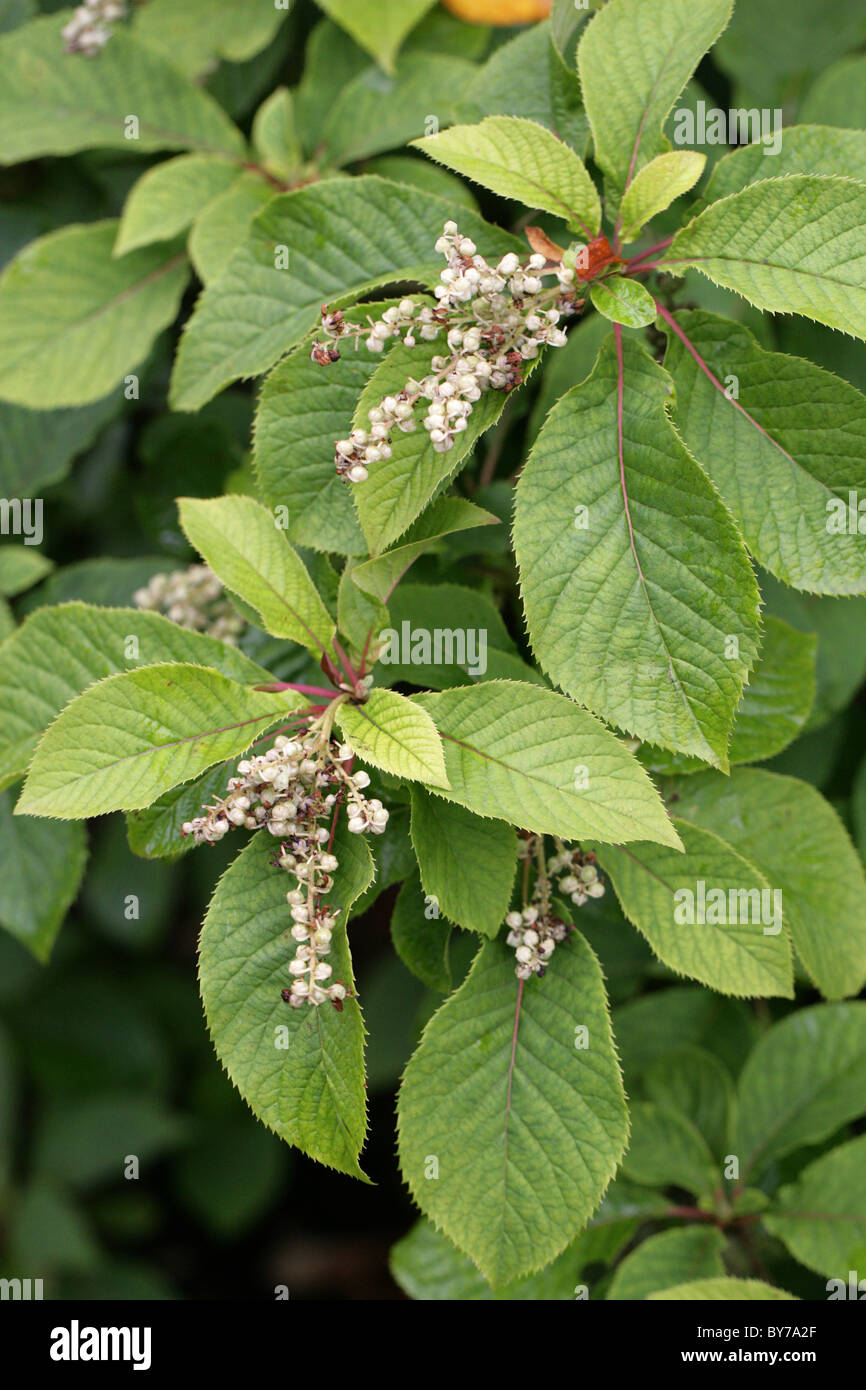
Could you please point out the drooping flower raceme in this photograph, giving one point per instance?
(294, 791)
(535, 931)
(90, 27)
(494, 318)
(193, 598)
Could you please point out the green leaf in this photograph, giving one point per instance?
(168, 198)
(695, 1083)
(430, 1269)
(51, 104)
(652, 1027)
(301, 1071)
(785, 443)
(655, 187)
(522, 160)
(666, 1150)
(133, 736)
(467, 863)
(822, 1216)
(243, 545)
(395, 734)
(195, 35)
(155, 831)
(58, 652)
(358, 614)
(274, 134)
(343, 238)
(775, 704)
(73, 321)
(527, 77)
(790, 245)
(525, 1127)
(21, 566)
(724, 1290)
(660, 891)
(802, 1082)
(634, 61)
(376, 112)
(379, 26)
(381, 576)
(421, 938)
(624, 301)
(840, 630)
(695, 1252)
(623, 541)
(773, 44)
(518, 753)
(41, 867)
(402, 486)
(805, 149)
(222, 225)
(797, 841)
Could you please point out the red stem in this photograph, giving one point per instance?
(642, 255)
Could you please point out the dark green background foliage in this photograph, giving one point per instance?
(103, 1049)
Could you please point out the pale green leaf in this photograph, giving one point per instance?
(695, 1252)
(804, 1080)
(222, 224)
(399, 488)
(344, 238)
(792, 245)
(526, 1128)
(624, 301)
(522, 160)
(797, 841)
(740, 947)
(52, 103)
(785, 443)
(58, 652)
(73, 321)
(467, 862)
(805, 149)
(775, 704)
(724, 1290)
(168, 198)
(822, 1216)
(634, 579)
(634, 60)
(21, 566)
(301, 1071)
(395, 734)
(41, 867)
(518, 753)
(131, 737)
(379, 26)
(274, 134)
(380, 576)
(430, 1269)
(655, 187)
(243, 545)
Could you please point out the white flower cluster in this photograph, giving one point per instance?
(495, 318)
(288, 790)
(534, 934)
(192, 598)
(89, 29)
(577, 875)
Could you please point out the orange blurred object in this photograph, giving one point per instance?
(499, 11)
